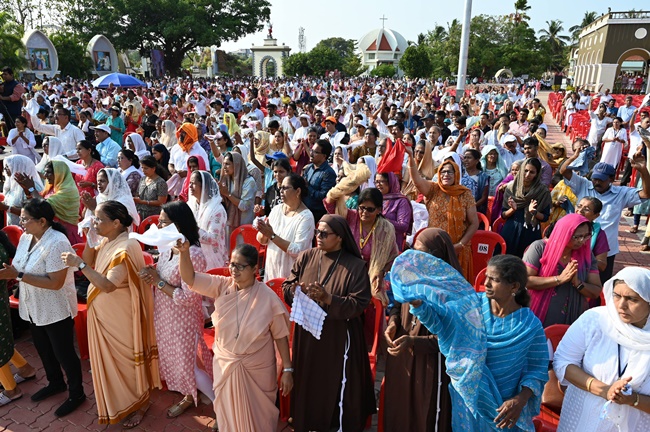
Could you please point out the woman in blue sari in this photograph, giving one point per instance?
(495, 347)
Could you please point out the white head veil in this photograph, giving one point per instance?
(372, 166)
(168, 137)
(140, 147)
(55, 149)
(336, 167)
(13, 192)
(204, 211)
(118, 190)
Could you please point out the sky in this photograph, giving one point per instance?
(351, 19)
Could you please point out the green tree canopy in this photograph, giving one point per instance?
(12, 52)
(416, 62)
(175, 26)
(344, 47)
(73, 58)
(384, 71)
(297, 65)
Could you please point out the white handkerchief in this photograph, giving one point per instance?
(307, 313)
(32, 107)
(163, 239)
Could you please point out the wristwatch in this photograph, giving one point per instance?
(20, 276)
(31, 190)
(580, 286)
(273, 237)
(161, 285)
(82, 266)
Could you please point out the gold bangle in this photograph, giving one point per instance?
(589, 381)
(557, 281)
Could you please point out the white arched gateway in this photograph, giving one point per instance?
(268, 59)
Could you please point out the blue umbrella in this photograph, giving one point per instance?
(118, 80)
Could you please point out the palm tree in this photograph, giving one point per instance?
(552, 36)
(11, 45)
(438, 34)
(587, 19)
(521, 6)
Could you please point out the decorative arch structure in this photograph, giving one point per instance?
(103, 55)
(504, 71)
(42, 58)
(268, 53)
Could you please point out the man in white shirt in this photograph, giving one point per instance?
(68, 133)
(509, 151)
(331, 134)
(271, 108)
(605, 97)
(255, 109)
(626, 111)
(235, 104)
(584, 103)
(199, 104)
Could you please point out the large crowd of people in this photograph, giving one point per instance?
(366, 195)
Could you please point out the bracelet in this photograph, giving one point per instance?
(287, 370)
(589, 381)
(557, 281)
(636, 402)
(461, 243)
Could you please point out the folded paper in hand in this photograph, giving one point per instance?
(164, 239)
(307, 313)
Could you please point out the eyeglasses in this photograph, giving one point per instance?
(382, 181)
(322, 234)
(24, 220)
(285, 188)
(314, 152)
(447, 173)
(367, 209)
(238, 267)
(581, 238)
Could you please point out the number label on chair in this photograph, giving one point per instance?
(483, 248)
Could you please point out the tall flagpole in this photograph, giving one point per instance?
(464, 49)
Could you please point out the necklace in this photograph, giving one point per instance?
(362, 241)
(330, 271)
(237, 310)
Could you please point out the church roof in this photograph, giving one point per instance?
(383, 39)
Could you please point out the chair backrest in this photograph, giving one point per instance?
(13, 232)
(483, 247)
(248, 233)
(479, 282)
(79, 248)
(276, 286)
(483, 222)
(497, 225)
(555, 333)
(219, 271)
(489, 208)
(147, 222)
(148, 258)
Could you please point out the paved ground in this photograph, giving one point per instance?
(25, 415)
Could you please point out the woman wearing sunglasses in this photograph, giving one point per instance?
(373, 234)
(249, 319)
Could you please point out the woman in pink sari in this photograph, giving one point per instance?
(248, 318)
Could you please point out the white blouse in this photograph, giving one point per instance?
(39, 305)
(587, 346)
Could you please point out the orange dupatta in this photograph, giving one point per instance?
(455, 211)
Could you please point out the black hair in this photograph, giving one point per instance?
(150, 162)
(511, 269)
(181, 215)
(160, 148)
(373, 130)
(373, 195)
(274, 124)
(598, 204)
(476, 155)
(8, 70)
(530, 141)
(400, 126)
(533, 127)
(282, 163)
(312, 129)
(524, 110)
(39, 208)
(8, 246)
(21, 119)
(93, 150)
(534, 162)
(115, 210)
(249, 253)
(65, 111)
(296, 182)
(132, 157)
(325, 146)
(226, 136)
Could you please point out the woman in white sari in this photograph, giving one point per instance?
(206, 204)
(168, 135)
(12, 190)
(135, 143)
(52, 147)
(606, 350)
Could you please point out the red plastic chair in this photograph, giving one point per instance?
(219, 271)
(483, 222)
(148, 258)
(249, 235)
(479, 282)
(208, 337)
(497, 225)
(79, 248)
(2, 198)
(483, 247)
(14, 232)
(490, 204)
(276, 286)
(372, 355)
(81, 329)
(147, 222)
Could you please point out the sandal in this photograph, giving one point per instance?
(135, 418)
(628, 213)
(179, 408)
(4, 399)
(20, 379)
(645, 248)
(634, 229)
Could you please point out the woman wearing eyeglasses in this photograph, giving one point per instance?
(451, 207)
(373, 234)
(250, 321)
(332, 371)
(563, 272)
(289, 229)
(178, 315)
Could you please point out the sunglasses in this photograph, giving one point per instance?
(322, 234)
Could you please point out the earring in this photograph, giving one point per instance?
(514, 294)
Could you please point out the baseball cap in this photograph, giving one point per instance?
(276, 155)
(103, 127)
(603, 171)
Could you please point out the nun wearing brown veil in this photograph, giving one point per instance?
(416, 386)
(335, 276)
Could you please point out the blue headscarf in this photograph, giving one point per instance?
(501, 164)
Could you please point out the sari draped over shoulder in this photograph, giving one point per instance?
(121, 338)
(246, 323)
